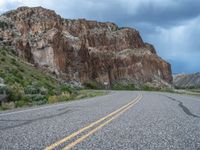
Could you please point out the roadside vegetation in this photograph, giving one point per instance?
(189, 91)
(195, 90)
(27, 85)
(120, 86)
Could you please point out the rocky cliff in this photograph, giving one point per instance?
(187, 80)
(82, 50)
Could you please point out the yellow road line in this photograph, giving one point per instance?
(71, 145)
(89, 126)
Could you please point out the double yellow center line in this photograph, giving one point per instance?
(95, 126)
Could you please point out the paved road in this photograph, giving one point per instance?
(128, 120)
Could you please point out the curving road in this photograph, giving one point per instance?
(120, 120)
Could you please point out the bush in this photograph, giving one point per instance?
(9, 105)
(2, 59)
(21, 69)
(3, 53)
(2, 89)
(21, 103)
(53, 99)
(121, 86)
(32, 89)
(59, 98)
(13, 61)
(65, 88)
(43, 91)
(15, 92)
(64, 96)
(2, 73)
(149, 88)
(35, 97)
(35, 89)
(92, 85)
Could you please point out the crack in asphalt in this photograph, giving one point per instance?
(30, 121)
(185, 109)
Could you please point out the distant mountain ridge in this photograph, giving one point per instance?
(187, 80)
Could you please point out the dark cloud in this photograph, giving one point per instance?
(159, 13)
(171, 14)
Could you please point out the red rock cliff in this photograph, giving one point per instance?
(83, 50)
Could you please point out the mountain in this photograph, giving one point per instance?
(81, 50)
(187, 80)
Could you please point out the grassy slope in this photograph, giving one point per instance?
(28, 86)
(13, 70)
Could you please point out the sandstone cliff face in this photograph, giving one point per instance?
(83, 50)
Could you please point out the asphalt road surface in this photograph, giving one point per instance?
(122, 120)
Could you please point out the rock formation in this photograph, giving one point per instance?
(187, 80)
(82, 50)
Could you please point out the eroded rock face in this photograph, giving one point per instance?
(83, 50)
(187, 80)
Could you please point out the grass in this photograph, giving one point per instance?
(28, 86)
(194, 92)
(132, 87)
(90, 93)
(120, 86)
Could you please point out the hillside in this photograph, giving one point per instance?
(27, 85)
(83, 51)
(187, 80)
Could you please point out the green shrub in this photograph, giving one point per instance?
(2, 73)
(36, 97)
(21, 103)
(43, 91)
(65, 87)
(3, 53)
(3, 59)
(32, 89)
(149, 88)
(2, 89)
(21, 69)
(92, 85)
(53, 99)
(121, 86)
(59, 98)
(15, 92)
(9, 105)
(13, 61)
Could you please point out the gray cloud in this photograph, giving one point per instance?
(170, 14)
(172, 25)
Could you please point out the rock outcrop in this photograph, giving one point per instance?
(83, 50)
(187, 80)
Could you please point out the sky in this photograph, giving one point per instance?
(172, 26)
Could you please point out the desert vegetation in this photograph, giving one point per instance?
(27, 85)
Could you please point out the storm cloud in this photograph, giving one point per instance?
(171, 25)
